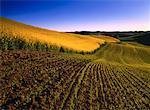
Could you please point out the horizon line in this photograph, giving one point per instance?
(67, 31)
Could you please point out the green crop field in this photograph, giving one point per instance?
(115, 76)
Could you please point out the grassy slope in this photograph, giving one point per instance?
(33, 34)
(125, 54)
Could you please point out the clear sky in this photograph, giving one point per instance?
(79, 15)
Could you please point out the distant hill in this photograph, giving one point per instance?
(132, 36)
(143, 38)
(33, 34)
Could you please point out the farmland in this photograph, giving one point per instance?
(43, 75)
(34, 34)
(54, 80)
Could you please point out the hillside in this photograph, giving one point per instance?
(143, 38)
(125, 53)
(33, 34)
(116, 77)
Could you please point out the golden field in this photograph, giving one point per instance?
(67, 40)
(106, 38)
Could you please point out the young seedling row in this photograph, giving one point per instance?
(53, 80)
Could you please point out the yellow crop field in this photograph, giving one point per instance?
(106, 38)
(67, 40)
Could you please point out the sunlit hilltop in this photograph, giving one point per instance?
(67, 40)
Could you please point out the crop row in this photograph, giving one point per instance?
(42, 80)
(25, 82)
(105, 86)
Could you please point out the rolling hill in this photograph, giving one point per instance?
(125, 53)
(33, 34)
(115, 77)
(143, 38)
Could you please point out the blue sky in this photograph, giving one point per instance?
(77, 15)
